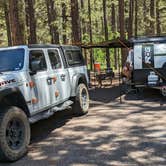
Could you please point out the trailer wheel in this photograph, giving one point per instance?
(81, 101)
(14, 134)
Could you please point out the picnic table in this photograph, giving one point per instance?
(106, 74)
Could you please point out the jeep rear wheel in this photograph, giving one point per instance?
(14, 134)
(81, 101)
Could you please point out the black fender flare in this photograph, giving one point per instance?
(15, 91)
(82, 78)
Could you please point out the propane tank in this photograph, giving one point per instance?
(152, 79)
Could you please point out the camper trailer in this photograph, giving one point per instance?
(148, 60)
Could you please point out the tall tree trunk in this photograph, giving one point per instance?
(131, 15)
(83, 27)
(90, 34)
(49, 19)
(64, 21)
(7, 21)
(75, 21)
(113, 22)
(31, 21)
(158, 28)
(145, 12)
(106, 32)
(52, 15)
(152, 15)
(102, 25)
(113, 18)
(136, 18)
(122, 28)
(16, 30)
(121, 19)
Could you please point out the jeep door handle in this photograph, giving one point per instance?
(49, 80)
(63, 77)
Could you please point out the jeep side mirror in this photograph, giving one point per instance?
(34, 66)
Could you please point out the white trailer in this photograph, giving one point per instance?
(148, 59)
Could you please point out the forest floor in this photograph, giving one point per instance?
(131, 133)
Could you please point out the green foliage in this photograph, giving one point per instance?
(3, 32)
(43, 34)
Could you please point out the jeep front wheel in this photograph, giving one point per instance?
(81, 101)
(14, 133)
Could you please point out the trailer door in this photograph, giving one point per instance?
(148, 55)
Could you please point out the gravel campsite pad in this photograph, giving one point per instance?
(131, 133)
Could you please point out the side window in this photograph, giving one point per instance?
(69, 57)
(37, 60)
(54, 59)
(74, 57)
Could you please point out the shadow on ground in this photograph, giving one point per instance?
(131, 133)
(105, 95)
(42, 129)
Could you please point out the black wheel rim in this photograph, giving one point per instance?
(15, 133)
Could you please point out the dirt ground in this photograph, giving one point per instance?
(131, 133)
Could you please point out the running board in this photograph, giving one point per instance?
(65, 105)
(46, 114)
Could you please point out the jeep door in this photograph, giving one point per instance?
(41, 82)
(62, 88)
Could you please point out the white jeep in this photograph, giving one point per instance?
(35, 82)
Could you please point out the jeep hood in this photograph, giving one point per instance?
(7, 80)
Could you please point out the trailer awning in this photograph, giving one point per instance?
(115, 43)
(119, 43)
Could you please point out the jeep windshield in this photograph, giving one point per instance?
(11, 60)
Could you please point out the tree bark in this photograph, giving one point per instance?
(113, 18)
(30, 21)
(152, 15)
(158, 22)
(83, 27)
(136, 18)
(131, 15)
(121, 19)
(7, 21)
(122, 29)
(64, 21)
(145, 17)
(106, 32)
(113, 22)
(75, 21)
(52, 15)
(90, 34)
(16, 30)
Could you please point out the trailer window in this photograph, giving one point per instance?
(160, 49)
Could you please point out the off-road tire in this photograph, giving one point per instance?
(11, 149)
(79, 106)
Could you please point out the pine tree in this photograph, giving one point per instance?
(7, 21)
(15, 23)
(131, 16)
(75, 21)
(106, 32)
(30, 21)
(52, 16)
